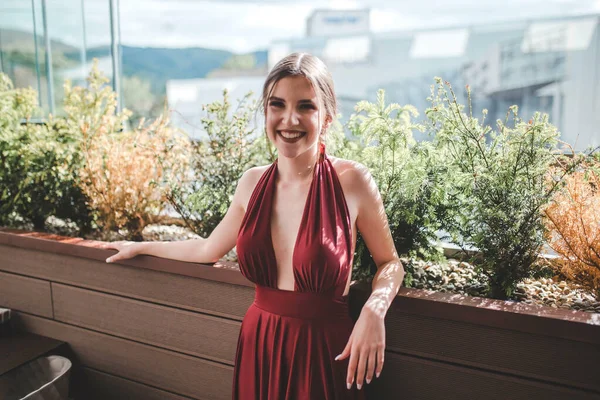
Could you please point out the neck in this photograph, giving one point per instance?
(297, 169)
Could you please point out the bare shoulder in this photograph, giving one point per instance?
(252, 175)
(354, 176)
(248, 182)
(360, 189)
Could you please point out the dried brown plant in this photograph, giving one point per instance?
(124, 175)
(573, 222)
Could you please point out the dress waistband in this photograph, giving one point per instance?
(305, 305)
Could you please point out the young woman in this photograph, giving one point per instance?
(295, 224)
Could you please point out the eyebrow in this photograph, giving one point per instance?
(274, 98)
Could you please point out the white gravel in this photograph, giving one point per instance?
(461, 277)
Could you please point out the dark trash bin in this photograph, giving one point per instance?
(46, 378)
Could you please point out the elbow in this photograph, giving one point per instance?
(212, 257)
(392, 269)
(394, 263)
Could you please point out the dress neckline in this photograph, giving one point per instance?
(303, 219)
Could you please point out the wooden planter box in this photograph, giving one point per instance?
(152, 328)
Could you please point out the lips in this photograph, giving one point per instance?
(291, 136)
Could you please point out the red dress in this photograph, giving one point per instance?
(289, 339)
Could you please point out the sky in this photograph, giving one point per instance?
(243, 26)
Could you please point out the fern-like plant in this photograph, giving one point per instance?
(217, 163)
(410, 177)
(500, 188)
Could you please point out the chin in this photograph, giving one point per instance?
(293, 150)
(290, 153)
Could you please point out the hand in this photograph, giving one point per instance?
(366, 347)
(124, 249)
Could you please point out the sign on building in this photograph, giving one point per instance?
(338, 23)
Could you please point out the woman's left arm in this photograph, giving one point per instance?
(366, 346)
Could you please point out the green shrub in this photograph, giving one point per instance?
(15, 105)
(37, 177)
(218, 163)
(410, 177)
(499, 191)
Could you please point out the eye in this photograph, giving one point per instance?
(276, 103)
(308, 106)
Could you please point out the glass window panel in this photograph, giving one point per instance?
(18, 39)
(559, 35)
(72, 26)
(65, 28)
(347, 50)
(440, 44)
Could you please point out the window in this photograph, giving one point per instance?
(440, 44)
(559, 35)
(347, 50)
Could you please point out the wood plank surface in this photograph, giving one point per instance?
(217, 298)
(406, 377)
(184, 331)
(25, 294)
(221, 271)
(96, 385)
(506, 351)
(19, 349)
(171, 371)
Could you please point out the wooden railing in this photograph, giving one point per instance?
(151, 328)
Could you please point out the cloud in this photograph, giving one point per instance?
(233, 26)
(246, 25)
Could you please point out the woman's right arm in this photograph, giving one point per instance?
(221, 240)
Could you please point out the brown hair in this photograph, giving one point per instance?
(310, 67)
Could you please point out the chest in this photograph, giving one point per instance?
(289, 204)
(288, 211)
(299, 236)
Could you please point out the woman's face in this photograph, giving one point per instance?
(292, 116)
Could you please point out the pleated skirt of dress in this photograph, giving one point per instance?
(287, 345)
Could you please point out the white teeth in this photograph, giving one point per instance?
(290, 135)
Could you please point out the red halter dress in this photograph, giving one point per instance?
(289, 339)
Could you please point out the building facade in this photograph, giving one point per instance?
(549, 65)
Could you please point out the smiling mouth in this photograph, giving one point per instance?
(291, 135)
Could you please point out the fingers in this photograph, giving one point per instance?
(344, 354)
(380, 357)
(352, 365)
(371, 366)
(114, 246)
(120, 255)
(362, 367)
(114, 257)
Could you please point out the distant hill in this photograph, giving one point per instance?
(157, 65)
(18, 40)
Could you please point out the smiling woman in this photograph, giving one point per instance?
(295, 224)
(300, 317)
(296, 242)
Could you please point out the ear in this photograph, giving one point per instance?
(327, 122)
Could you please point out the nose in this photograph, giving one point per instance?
(290, 117)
